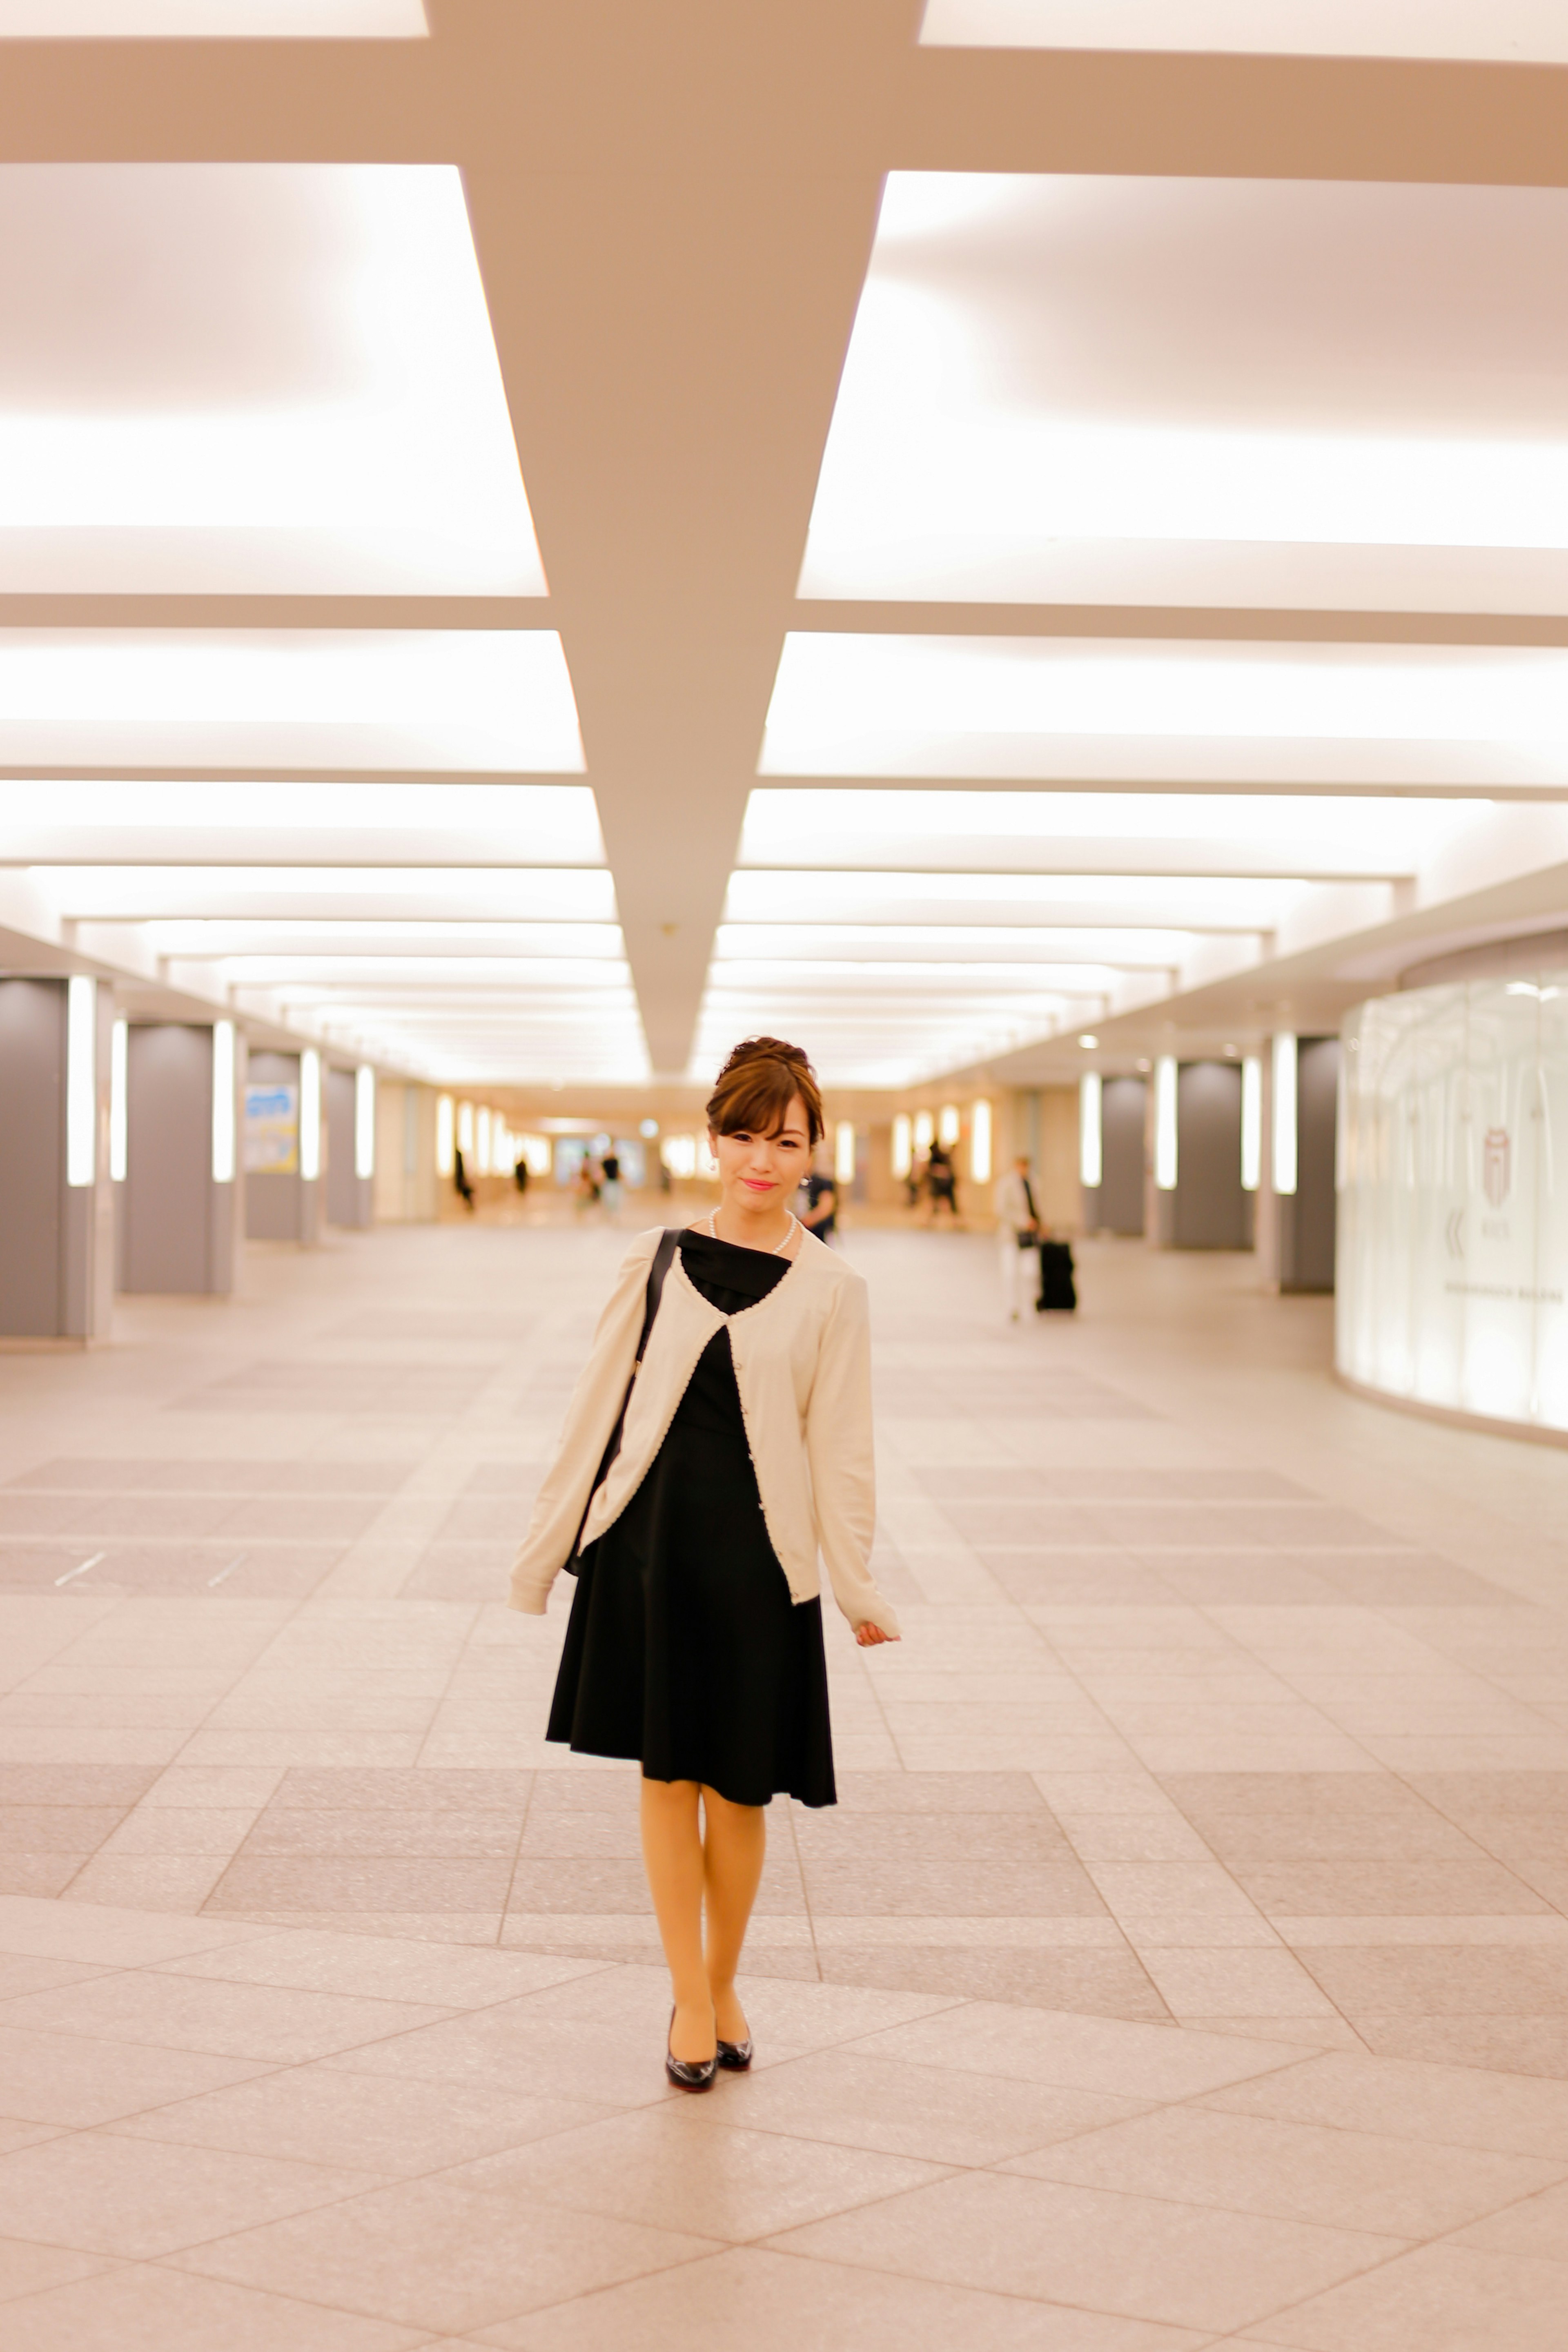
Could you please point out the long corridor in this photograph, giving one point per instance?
(1185, 1963)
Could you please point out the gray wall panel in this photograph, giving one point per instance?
(1307, 1225)
(1121, 1123)
(32, 1156)
(1212, 1212)
(165, 1216)
(342, 1184)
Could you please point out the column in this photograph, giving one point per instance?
(351, 1146)
(1306, 1120)
(1114, 1115)
(57, 1212)
(1199, 1199)
(179, 1204)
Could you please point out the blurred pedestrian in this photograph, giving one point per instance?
(1018, 1237)
(465, 1190)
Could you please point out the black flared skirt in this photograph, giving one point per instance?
(684, 1649)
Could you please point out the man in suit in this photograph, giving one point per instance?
(1018, 1232)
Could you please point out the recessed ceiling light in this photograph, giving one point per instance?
(1088, 1039)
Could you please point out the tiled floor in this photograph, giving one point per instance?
(1186, 1963)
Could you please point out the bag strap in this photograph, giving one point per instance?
(663, 1259)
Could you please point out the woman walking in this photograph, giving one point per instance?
(695, 1506)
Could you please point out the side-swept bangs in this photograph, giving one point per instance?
(756, 1086)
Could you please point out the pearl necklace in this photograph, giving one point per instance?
(777, 1252)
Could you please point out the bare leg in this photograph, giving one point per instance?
(733, 1853)
(672, 1856)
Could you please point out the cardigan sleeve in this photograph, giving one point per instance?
(839, 1446)
(590, 1417)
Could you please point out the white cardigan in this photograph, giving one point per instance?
(803, 1366)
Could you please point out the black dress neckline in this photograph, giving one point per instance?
(714, 1265)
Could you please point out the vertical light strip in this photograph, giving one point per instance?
(844, 1152)
(223, 1102)
(309, 1115)
(1165, 1123)
(925, 1132)
(446, 1136)
(1251, 1123)
(980, 1142)
(903, 1151)
(948, 1125)
(364, 1120)
(1091, 1145)
(1285, 1112)
(466, 1130)
(119, 1055)
(81, 1081)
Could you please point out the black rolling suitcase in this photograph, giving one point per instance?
(1057, 1289)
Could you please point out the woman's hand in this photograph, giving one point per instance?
(868, 1635)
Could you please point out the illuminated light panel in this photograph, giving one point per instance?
(364, 1120)
(81, 1081)
(1284, 1104)
(1165, 1124)
(332, 699)
(877, 705)
(213, 20)
(1510, 32)
(1251, 1123)
(290, 821)
(787, 946)
(224, 1123)
(1156, 390)
(1090, 1152)
(1194, 903)
(933, 831)
(286, 381)
(415, 942)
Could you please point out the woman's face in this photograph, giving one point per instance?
(759, 1172)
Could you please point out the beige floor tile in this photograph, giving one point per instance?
(1245, 1983)
(1086, 2053)
(516, 2048)
(167, 1828)
(19, 1972)
(317, 1960)
(74, 2081)
(374, 2123)
(933, 2113)
(1537, 2226)
(1437, 2299)
(265, 2022)
(1142, 2257)
(106, 1936)
(777, 2303)
(112, 2195)
(28, 2268)
(1144, 1887)
(1298, 2172)
(180, 1883)
(1443, 2104)
(672, 2167)
(788, 2020)
(152, 2309)
(443, 2254)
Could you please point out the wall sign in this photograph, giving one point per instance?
(272, 1131)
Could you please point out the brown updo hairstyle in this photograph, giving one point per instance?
(756, 1086)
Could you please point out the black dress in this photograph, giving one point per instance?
(684, 1648)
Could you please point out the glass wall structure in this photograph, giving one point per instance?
(1453, 1198)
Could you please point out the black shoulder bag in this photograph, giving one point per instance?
(663, 1258)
